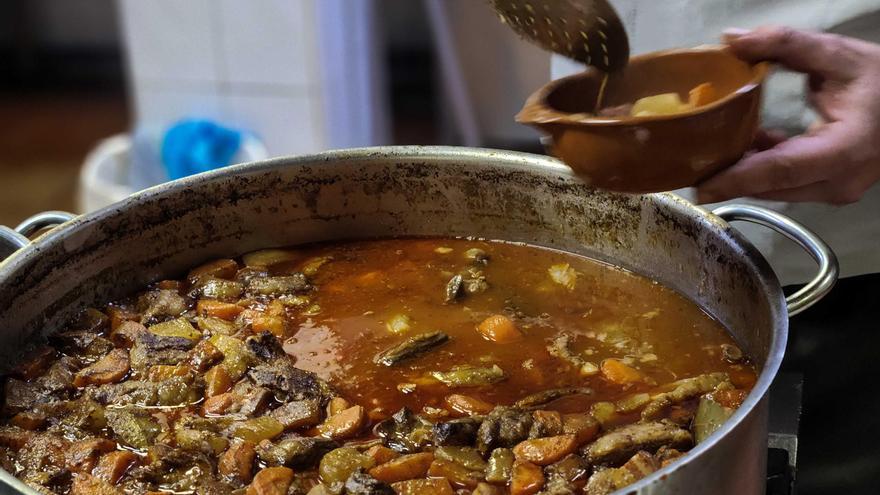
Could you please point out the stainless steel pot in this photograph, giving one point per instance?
(382, 192)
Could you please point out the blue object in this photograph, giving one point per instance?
(193, 146)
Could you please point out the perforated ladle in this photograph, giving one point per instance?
(589, 31)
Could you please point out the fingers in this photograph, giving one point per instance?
(768, 138)
(802, 51)
(792, 164)
(819, 192)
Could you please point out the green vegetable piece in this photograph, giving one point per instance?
(218, 288)
(564, 275)
(541, 398)
(411, 347)
(311, 267)
(477, 255)
(236, 357)
(269, 257)
(398, 324)
(178, 390)
(453, 288)
(197, 440)
(470, 376)
(338, 464)
(632, 403)
(468, 457)
(710, 416)
(258, 429)
(180, 327)
(133, 426)
(500, 466)
(214, 325)
(604, 412)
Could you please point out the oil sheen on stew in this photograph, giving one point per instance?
(409, 366)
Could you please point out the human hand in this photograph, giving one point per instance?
(838, 159)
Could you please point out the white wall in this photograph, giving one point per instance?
(501, 69)
(256, 65)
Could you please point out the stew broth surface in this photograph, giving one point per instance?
(608, 313)
(427, 366)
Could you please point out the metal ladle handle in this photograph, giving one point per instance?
(829, 270)
(11, 240)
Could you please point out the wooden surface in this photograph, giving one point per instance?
(44, 139)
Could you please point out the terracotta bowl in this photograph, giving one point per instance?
(657, 153)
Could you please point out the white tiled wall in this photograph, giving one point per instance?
(255, 65)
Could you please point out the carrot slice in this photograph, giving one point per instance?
(271, 481)
(526, 479)
(544, 451)
(467, 405)
(218, 309)
(703, 95)
(500, 329)
(405, 467)
(616, 371)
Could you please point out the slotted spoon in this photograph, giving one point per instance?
(589, 31)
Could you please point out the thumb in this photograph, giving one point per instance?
(802, 51)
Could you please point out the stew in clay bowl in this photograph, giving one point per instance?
(410, 366)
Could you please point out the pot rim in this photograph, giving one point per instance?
(438, 155)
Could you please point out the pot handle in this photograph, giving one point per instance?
(13, 240)
(829, 270)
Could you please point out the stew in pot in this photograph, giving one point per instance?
(409, 366)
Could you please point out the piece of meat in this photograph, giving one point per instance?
(617, 111)
(86, 484)
(238, 461)
(111, 368)
(344, 424)
(404, 432)
(127, 392)
(177, 470)
(290, 383)
(132, 426)
(14, 438)
(566, 476)
(545, 424)
(298, 414)
(72, 341)
(271, 481)
(58, 379)
(361, 483)
(619, 445)
(80, 418)
(36, 363)
(255, 402)
(289, 285)
(503, 427)
(204, 355)
(265, 346)
(460, 432)
(296, 452)
(21, 396)
(160, 305)
(82, 456)
(43, 459)
(605, 481)
(150, 349)
(56, 384)
(113, 466)
(29, 420)
(682, 390)
(127, 333)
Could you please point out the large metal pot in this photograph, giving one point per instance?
(383, 192)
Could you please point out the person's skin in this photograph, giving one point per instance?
(838, 159)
